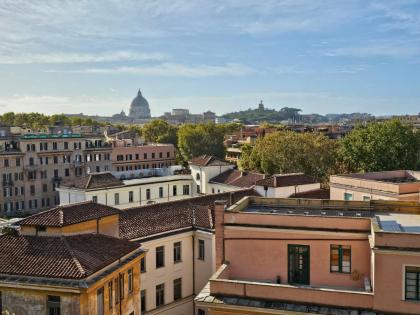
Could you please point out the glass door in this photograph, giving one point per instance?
(298, 264)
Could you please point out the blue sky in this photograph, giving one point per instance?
(322, 56)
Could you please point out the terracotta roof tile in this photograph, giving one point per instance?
(70, 257)
(237, 178)
(141, 222)
(285, 180)
(208, 160)
(70, 214)
(94, 181)
(313, 194)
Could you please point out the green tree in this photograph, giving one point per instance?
(198, 139)
(388, 145)
(290, 152)
(160, 131)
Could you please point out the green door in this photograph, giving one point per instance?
(298, 264)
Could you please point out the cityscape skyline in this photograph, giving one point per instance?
(91, 56)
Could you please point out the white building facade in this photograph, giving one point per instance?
(131, 192)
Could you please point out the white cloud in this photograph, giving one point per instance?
(173, 70)
(56, 58)
(378, 48)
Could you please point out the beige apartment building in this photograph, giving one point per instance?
(387, 185)
(32, 166)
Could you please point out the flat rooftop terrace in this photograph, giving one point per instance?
(392, 216)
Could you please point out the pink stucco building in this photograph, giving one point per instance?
(386, 185)
(293, 256)
(126, 156)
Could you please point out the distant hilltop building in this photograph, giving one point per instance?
(139, 107)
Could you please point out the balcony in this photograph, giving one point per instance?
(7, 183)
(269, 290)
(31, 167)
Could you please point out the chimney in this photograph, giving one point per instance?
(219, 210)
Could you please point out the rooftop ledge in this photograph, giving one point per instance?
(221, 285)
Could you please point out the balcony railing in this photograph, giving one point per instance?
(7, 182)
(222, 285)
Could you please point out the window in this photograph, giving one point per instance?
(66, 145)
(143, 265)
(177, 252)
(177, 289)
(153, 155)
(100, 301)
(186, 189)
(160, 256)
(145, 156)
(143, 300)
(412, 283)
(116, 198)
(130, 196)
(130, 280)
(197, 176)
(198, 189)
(366, 198)
(95, 199)
(160, 295)
(147, 194)
(110, 295)
(121, 286)
(53, 305)
(160, 192)
(174, 190)
(44, 187)
(6, 162)
(201, 312)
(117, 291)
(348, 196)
(340, 258)
(201, 250)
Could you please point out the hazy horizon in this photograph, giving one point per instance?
(92, 56)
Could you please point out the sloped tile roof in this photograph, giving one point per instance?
(70, 257)
(144, 221)
(285, 180)
(208, 160)
(70, 214)
(237, 178)
(94, 181)
(313, 194)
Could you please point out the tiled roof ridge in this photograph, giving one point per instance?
(73, 256)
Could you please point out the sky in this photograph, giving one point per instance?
(322, 56)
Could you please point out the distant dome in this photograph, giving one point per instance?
(139, 107)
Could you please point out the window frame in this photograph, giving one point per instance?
(340, 258)
(177, 283)
(130, 282)
(143, 300)
(157, 266)
(177, 246)
(160, 295)
(143, 264)
(201, 250)
(348, 194)
(417, 290)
